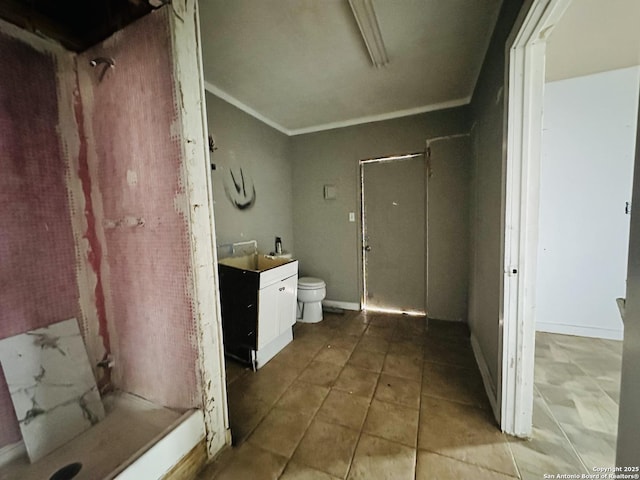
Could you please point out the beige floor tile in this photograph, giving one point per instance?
(596, 449)
(385, 332)
(380, 459)
(409, 367)
(431, 466)
(384, 320)
(464, 432)
(345, 342)
(320, 373)
(295, 471)
(454, 383)
(337, 356)
(327, 447)
(392, 422)
(373, 344)
(303, 397)
(445, 328)
(244, 415)
(408, 330)
(449, 351)
(281, 431)
(356, 381)
(333, 320)
(268, 383)
(368, 360)
(398, 390)
(548, 450)
(344, 409)
(354, 327)
(406, 348)
(254, 463)
(593, 410)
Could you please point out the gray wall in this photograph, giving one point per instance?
(448, 233)
(488, 140)
(326, 243)
(263, 151)
(629, 416)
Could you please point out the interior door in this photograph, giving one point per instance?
(393, 233)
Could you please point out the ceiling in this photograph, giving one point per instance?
(302, 65)
(594, 36)
(76, 24)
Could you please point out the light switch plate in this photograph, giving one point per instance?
(352, 217)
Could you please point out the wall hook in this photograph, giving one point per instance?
(106, 62)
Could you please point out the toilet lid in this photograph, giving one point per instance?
(310, 282)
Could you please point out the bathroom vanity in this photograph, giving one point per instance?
(258, 298)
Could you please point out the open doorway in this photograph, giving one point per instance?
(535, 231)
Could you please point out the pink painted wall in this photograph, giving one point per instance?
(37, 258)
(133, 113)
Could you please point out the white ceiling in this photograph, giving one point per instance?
(594, 36)
(301, 65)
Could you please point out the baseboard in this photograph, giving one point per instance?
(489, 386)
(580, 331)
(343, 305)
(10, 452)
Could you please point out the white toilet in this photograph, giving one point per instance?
(311, 292)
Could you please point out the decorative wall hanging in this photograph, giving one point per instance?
(239, 187)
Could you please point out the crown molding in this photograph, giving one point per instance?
(209, 87)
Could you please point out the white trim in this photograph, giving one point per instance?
(196, 175)
(458, 102)
(10, 452)
(211, 88)
(343, 305)
(525, 84)
(489, 386)
(167, 452)
(580, 330)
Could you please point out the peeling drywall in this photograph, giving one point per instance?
(140, 205)
(38, 279)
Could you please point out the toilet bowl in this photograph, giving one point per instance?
(311, 292)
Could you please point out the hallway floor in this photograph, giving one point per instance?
(377, 396)
(576, 396)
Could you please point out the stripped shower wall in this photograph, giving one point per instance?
(135, 168)
(38, 268)
(94, 210)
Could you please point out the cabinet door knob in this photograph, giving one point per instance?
(281, 288)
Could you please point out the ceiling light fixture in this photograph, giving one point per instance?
(370, 30)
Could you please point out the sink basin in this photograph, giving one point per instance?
(255, 262)
(268, 269)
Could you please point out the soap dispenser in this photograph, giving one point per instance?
(278, 246)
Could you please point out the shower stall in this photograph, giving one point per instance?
(106, 217)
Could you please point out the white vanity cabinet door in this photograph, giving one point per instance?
(268, 326)
(287, 302)
(276, 309)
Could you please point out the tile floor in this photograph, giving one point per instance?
(576, 395)
(375, 396)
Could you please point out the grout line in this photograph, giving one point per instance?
(353, 455)
(422, 382)
(313, 417)
(564, 434)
